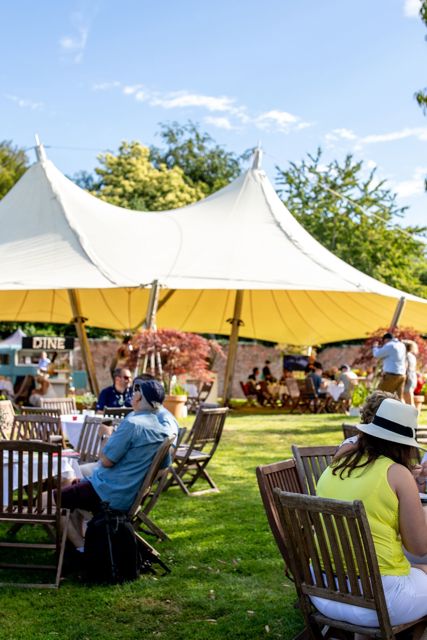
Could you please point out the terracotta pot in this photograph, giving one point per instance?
(176, 405)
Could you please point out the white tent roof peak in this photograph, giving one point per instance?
(39, 149)
(257, 157)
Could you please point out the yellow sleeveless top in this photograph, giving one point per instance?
(370, 485)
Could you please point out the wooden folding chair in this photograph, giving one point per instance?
(349, 430)
(37, 427)
(41, 411)
(117, 412)
(192, 459)
(282, 475)
(332, 556)
(311, 463)
(137, 513)
(7, 415)
(194, 402)
(29, 473)
(65, 405)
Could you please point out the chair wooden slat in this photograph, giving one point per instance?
(64, 405)
(348, 545)
(282, 475)
(191, 461)
(37, 427)
(27, 500)
(310, 463)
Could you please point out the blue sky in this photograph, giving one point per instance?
(293, 74)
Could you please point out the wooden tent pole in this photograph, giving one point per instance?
(397, 313)
(236, 322)
(79, 323)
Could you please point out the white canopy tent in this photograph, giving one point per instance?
(65, 254)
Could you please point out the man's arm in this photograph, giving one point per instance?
(381, 352)
(117, 444)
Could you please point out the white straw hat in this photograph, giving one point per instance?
(394, 421)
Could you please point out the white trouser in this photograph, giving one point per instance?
(405, 596)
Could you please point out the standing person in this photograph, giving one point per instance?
(119, 394)
(380, 470)
(411, 371)
(266, 372)
(125, 459)
(392, 353)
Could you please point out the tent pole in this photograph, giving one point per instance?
(79, 323)
(236, 322)
(397, 313)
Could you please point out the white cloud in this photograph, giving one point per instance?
(418, 132)
(280, 120)
(220, 122)
(414, 186)
(340, 134)
(411, 8)
(106, 86)
(25, 103)
(73, 46)
(233, 115)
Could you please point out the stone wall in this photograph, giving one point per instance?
(248, 356)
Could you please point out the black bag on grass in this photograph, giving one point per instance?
(111, 552)
(114, 553)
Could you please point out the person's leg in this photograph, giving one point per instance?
(76, 497)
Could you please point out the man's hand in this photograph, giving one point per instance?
(105, 430)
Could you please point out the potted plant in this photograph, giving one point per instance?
(360, 393)
(171, 354)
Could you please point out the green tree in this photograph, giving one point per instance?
(129, 179)
(421, 96)
(205, 164)
(354, 215)
(13, 164)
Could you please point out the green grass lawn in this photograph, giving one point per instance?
(227, 577)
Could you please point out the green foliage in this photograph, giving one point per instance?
(360, 393)
(49, 329)
(227, 577)
(129, 179)
(353, 214)
(178, 390)
(204, 163)
(421, 96)
(13, 164)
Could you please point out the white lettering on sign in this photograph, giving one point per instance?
(48, 343)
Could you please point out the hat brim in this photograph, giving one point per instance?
(378, 432)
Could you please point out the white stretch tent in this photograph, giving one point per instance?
(55, 237)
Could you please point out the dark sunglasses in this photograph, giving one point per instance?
(127, 377)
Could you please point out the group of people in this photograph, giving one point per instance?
(399, 366)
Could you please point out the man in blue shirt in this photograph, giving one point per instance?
(392, 353)
(119, 394)
(125, 459)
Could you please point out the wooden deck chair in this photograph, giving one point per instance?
(311, 463)
(65, 405)
(191, 460)
(117, 412)
(332, 556)
(194, 402)
(281, 475)
(42, 411)
(136, 513)
(349, 430)
(161, 480)
(38, 427)
(89, 444)
(294, 395)
(26, 470)
(7, 416)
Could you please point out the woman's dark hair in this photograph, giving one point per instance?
(368, 449)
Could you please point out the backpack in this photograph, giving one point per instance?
(113, 553)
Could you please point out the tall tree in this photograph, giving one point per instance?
(421, 96)
(129, 179)
(205, 164)
(354, 215)
(13, 164)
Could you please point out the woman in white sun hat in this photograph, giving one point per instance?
(380, 470)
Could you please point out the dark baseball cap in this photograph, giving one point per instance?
(152, 390)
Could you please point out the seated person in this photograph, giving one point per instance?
(44, 361)
(252, 380)
(125, 459)
(266, 372)
(119, 394)
(43, 389)
(6, 387)
(23, 388)
(314, 372)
